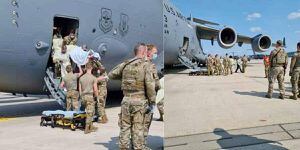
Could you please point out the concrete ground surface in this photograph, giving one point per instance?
(20, 129)
(229, 112)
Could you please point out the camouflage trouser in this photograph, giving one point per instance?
(218, 70)
(57, 70)
(131, 123)
(221, 70)
(276, 73)
(210, 70)
(160, 106)
(226, 70)
(147, 123)
(244, 68)
(267, 68)
(295, 81)
(89, 104)
(230, 69)
(102, 94)
(72, 100)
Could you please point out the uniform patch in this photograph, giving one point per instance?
(105, 22)
(123, 26)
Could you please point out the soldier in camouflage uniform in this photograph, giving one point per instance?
(88, 89)
(226, 65)
(244, 64)
(210, 65)
(218, 65)
(138, 87)
(151, 55)
(70, 82)
(102, 90)
(279, 61)
(71, 39)
(295, 73)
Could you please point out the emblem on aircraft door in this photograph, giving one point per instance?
(123, 26)
(105, 23)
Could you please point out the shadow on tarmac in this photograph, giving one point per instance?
(32, 108)
(228, 140)
(154, 142)
(262, 94)
(175, 70)
(253, 93)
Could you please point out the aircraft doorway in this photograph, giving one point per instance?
(65, 33)
(64, 26)
(185, 45)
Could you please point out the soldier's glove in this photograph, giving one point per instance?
(150, 109)
(290, 74)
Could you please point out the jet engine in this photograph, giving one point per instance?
(261, 43)
(227, 37)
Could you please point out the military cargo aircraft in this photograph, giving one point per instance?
(183, 35)
(111, 28)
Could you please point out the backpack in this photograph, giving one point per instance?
(280, 57)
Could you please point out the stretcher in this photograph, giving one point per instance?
(70, 119)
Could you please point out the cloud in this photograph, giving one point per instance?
(255, 29)
(294, 15)
(253, 16)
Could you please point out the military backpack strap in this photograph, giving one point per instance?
(131, 61)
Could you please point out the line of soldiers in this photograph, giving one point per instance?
(139, 84)
(224, 66)
(278, 64)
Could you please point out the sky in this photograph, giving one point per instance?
(276, 18)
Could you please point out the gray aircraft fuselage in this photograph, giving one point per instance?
(176, 29)
(27, 27)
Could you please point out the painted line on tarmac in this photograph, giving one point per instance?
(5, 119)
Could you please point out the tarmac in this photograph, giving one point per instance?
(20, 127)
(229, 112)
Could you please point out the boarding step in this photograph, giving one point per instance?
(187, 62)
(53, 87)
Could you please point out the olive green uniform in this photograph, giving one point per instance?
(218, 66)
(87, 81)
(70, 81)
(102, 89)
(148, 116)
(295, 73)
(138, 85)
(278, 60)
(210, 65)
(244, 64)
(226, 65)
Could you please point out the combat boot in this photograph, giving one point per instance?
(92, 128)
(103, 119)
(87, 129)
(281, 96)
(268, 96)
(294, 97)
(161, 118)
